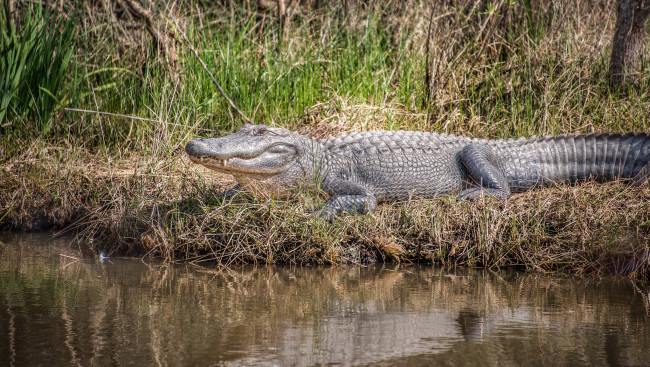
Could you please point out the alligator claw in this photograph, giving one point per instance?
(476, 193)
(471, 194)
(323, 214)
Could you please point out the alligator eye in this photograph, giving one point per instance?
(259, 132)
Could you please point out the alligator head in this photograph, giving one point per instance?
(255, 153)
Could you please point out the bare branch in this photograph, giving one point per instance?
(160, 37)
(122, 35)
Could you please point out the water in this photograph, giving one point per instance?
(59, 309)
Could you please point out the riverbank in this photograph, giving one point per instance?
(165, 207)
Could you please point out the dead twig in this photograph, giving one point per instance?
(130, 117)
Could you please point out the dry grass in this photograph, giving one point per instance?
(340, 115)
(169, 209)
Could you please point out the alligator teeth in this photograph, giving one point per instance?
(219, 162)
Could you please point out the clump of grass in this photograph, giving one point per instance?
(35, 54)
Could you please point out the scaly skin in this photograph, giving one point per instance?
(361, 169)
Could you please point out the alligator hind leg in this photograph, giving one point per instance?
(483, 171)
(346, 196)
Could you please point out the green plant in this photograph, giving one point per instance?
(35, 53)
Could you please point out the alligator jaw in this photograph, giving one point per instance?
(226, 165)
(209, 161)
(274, 159)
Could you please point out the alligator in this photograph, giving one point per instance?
(359, 170)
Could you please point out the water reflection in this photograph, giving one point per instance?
(59, 310)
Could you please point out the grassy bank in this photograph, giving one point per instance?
(486, 69)
(171, 209)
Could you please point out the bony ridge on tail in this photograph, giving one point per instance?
(359, 170)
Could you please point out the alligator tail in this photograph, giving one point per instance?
(599, 157)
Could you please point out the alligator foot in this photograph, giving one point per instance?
(486, 179)
(231, 192)
(323, 214)
(226, 195)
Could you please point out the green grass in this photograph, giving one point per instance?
(35, 52)
(513, 68)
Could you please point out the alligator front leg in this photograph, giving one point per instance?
(231, 192)
(486, 178)
(346, 196)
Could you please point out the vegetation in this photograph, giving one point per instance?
(34, 56)
(490, 69)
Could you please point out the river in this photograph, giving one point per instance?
(58, 307)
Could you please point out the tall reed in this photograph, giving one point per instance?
(36, 48)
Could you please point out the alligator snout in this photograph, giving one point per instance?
(195, 147)
(191, 145)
